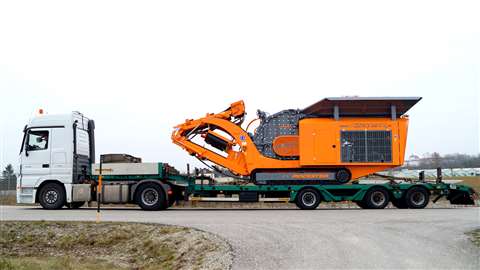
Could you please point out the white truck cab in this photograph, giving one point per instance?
(55, 159)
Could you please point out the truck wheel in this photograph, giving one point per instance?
(52, 196)
(75, 205)
(417, 197)
(308, 199)
(150, 196)
(376, 198)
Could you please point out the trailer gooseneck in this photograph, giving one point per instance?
(298, 156)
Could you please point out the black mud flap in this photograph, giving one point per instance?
(461, 197)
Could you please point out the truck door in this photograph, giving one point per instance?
(35, 156)
(60, 146)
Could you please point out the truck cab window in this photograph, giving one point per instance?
(37, 140)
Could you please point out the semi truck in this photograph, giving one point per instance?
(303, 157)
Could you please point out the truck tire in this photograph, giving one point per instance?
(75, 205)
(150, 196)
(376, 198)
(308, 199)
(417, 197)
(52, 196)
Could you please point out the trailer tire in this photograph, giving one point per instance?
(400, 203)
(75, 205)
(151, 196)
(360, 204)
(52, 196)
(308, 199)
(417, 197)
(376, 198)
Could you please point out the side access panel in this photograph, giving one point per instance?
(318, 143)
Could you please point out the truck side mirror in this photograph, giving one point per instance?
(27, 148)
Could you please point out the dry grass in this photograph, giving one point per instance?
(8, 199)
(42, 263)
(87, 245)
(475, 236)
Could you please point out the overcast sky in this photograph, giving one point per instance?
(140, 67)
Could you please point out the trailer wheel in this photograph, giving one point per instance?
(376, 198)
(75, 205)
(308, 199)
(400, 203)
(417, 197)
(150, 196)
(360, 204)
(52, 196)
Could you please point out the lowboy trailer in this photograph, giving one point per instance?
(157, 186)
(414, 195)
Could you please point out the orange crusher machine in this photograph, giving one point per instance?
(332, 141)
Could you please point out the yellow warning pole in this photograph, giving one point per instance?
(99, 190)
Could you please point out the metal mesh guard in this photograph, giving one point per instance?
(366, 146)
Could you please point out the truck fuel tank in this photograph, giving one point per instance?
(115, 193)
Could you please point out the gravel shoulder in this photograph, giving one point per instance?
(109, 245)
(318, 239)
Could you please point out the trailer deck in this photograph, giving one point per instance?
(333, 193)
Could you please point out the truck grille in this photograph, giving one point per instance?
(366, 146)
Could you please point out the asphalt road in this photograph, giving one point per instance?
(320, 239)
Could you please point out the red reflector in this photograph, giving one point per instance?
(169, 192)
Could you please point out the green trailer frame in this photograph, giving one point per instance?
(186, 186)
(331, 193)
